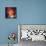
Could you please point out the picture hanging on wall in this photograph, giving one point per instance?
(10, 12)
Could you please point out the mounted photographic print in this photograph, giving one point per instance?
(10, 12)
(32, 32)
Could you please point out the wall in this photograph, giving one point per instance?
(28, 12)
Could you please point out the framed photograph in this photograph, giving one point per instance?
(10, 12)
(32, 32)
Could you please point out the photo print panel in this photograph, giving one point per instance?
(10, 12)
